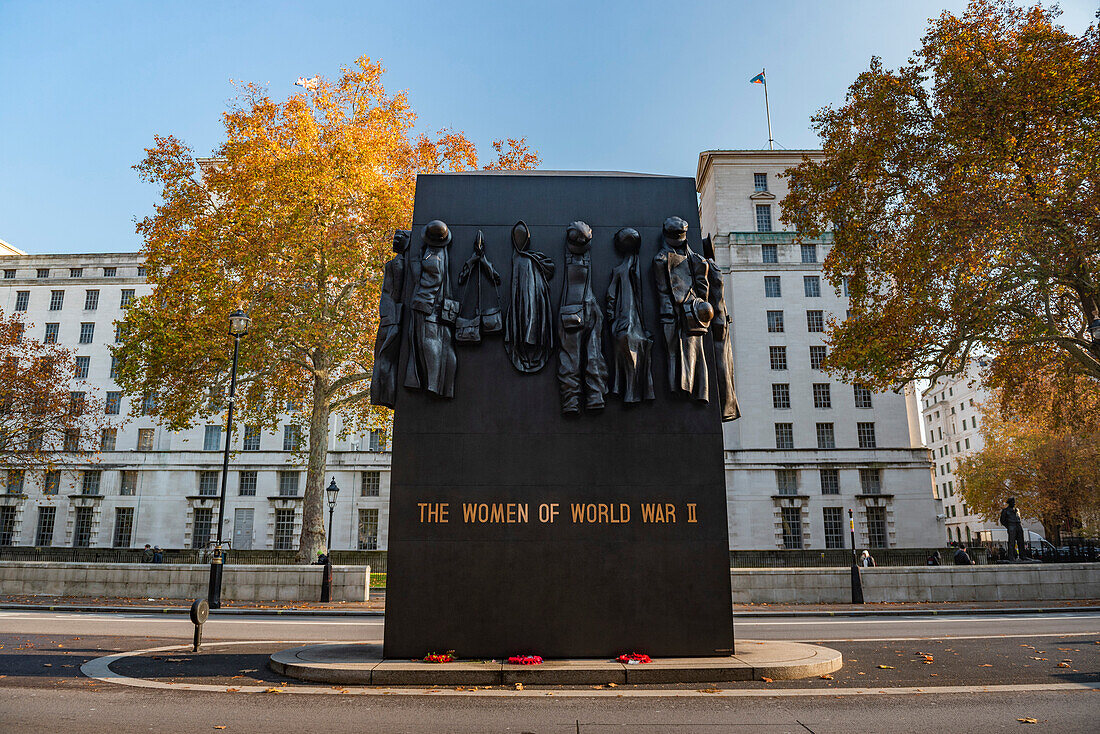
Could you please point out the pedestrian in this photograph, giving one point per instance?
(962, 558)
(147, 554)
(158, 554)
(867, 560)
(934, 559)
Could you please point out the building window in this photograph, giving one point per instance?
(42, 273)
(246, 486)
(817, 357)
(368, 529)
(200, 533)
(22, 298)
(51, 334)
(377, 440)
(72, 440)
(82, 527)
(781, 396)
(865, 432)
(966, 442)
(833, 518)
(15, 481)
(811, 284)
(145, 439)
(786, 481)
(124, 527)
(370, 482)
(778, 357)
(113, 405)
(76, 272)
(870, 481)
(815, 322)
(127, 296)
(292, 438)
(76, 403)
(863, 396)
(114, 368)
(52, 482)
(208, 483)
(284, 529)
(57, 300)
(7, 526)
(876, 527)
(251, 438)
(830, 481)
(288, 484)
(212, 438)
(825, 437)
(43, 533)
(91, 300)
(34, 439)
(108, 439)
(775, 322)
(809, 253)
(769, 253)
(120, 333)
(760, 181)
(772, 288)
(87, 333)
(148, 403)
(109, 272)
(822, 395)
(82, 364)
(763, 217)
(792, 527)
(9, 275)
(784, 436)
(127, 482)
(90, 481)
(844, 286)
(141, 271)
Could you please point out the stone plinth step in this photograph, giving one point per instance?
(362, 664)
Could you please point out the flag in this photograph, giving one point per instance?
(758, 79)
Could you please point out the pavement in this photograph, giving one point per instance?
(953, 673)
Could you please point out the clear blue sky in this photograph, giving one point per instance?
(638, 86)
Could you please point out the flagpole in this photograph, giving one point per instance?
(768, 111)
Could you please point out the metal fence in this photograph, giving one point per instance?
(375, 559)
(839, 557)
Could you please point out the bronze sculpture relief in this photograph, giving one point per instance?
(720, 330)
(582, 370)
(387, 343)
(469, 329)
(682, 290)
(432, 363)
(631, 342)
(528, 327)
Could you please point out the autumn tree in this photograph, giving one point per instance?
(1050, 470)
(291, 218)
(48, 418)
(963, 197)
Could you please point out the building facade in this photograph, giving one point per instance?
(808, 448)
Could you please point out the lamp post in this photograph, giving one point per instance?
(332, 491)
(238, 327)
(857, 583)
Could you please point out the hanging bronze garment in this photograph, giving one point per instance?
(720, 330)
(528, 326)
(582, 369)
(387, 343)
(470, 328)
(681, 276)
(432, 364)
(631, 373)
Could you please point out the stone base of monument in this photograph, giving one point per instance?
(362, 664)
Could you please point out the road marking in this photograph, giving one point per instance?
(958, 637)
(938, 620)
(100, 669)
(183, 620)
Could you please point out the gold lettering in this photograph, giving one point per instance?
(624, 510)
(670, 512)
(521, 515)
(691, 512)
(498, 513)
(578, 512)
(469, 512)
(421, 505)
(483, 512)
(647, 512)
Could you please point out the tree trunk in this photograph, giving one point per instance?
(313, 539)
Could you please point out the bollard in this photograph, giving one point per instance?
(326, 581)
(200, 610)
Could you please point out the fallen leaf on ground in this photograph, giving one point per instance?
(766, 679)
(612, 685)
(272, 690)
(519, 686)
(825, 677)
(986, 665)
(219, 726)
(1063, 665)
(888, 667)
(232, 690)
(1028, 720)
(708, 690)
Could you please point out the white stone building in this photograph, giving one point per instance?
(952, 423)
(808, 448)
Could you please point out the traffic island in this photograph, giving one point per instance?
(362, 664)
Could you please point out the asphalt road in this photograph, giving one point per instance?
(1007, 667)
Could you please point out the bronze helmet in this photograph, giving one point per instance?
(436, 234)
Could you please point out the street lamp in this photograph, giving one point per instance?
(332, 491)
(238, 327)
